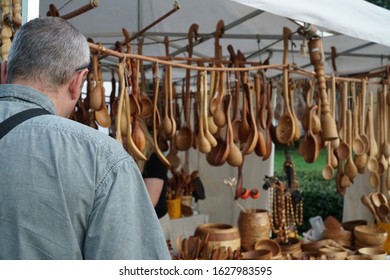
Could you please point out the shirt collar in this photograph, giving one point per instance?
(27, 94)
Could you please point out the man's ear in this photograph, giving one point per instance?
(76, 84)
(3, 74)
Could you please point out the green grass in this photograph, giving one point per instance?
(298, 160)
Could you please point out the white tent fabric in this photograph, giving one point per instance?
(254, 27)
(356, 18)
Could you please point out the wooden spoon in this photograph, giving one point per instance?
(147, 104)
(235, 157)
(207, 133)
(218, 154)
(102, 116)
(350, 168)
(327, 170)
(95, 100)
(363, 115)
(285, 130)
(297, 133)
(132, 147)
(343, 149)
(367, 202)
(268, 138)
(260, 121)
(167, 122)
(312, 142)
(156, 81)
(249, 145)
(203, 143)
(185, 137)
(219, 117)
(236, 117)
(372, 163)
(357, 143)
(377, 200)
(386, 144)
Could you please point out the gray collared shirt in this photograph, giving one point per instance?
(68, 191)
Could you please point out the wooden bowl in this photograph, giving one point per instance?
(350, 225)
(358, 257)
(332, 223)
(373, 253)
(333, 253)
(269, 244)
(311, 246)
(338, 235)
(358, 245)
(293, 246)
(371, 235)
(262, 254)
(306, 255)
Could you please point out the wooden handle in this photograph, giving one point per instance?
(93, 4)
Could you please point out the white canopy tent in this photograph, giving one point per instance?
(361, 36)
(356, 29)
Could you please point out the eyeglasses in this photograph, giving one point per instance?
(84, 66)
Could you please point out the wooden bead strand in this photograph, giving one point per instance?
(6, 32)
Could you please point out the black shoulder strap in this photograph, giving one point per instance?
(7, 125)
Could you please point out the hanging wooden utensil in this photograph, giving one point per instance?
(147, 104)
(350, 168)
(203, 143)
(357, 143)
(95, 100)
(343, 149)
(249, 145)
(270, 116)
(297, 125)
(156, 81)
(312, 141)
(120, 116)
(131, 146)
(261, 108)
(328, 124)
(236, 117)
(184, 137)
(285, 130)
(235, 157)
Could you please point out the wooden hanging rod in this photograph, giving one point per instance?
(168, 60)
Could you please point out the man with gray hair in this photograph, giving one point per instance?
(67, 191)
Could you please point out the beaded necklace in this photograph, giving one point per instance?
(286, 203)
